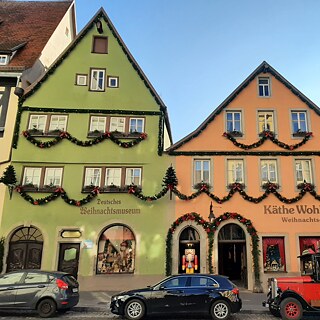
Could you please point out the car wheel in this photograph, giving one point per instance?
(220, 310)
(291, 309)
(274, 312)
(134, 309)
(46, 308)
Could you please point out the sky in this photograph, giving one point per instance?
(196, 52)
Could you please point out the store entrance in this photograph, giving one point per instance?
(232, 254)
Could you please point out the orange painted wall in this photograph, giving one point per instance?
(281, 101)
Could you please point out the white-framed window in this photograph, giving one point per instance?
(58, 122)
(113, 82)
(303, 170)
(235, 171)
(4, 59)
(265, 121)
(98, 123)
(269, 172)
(97, 82)
(133, 176)
(37, 122)
(113, 177)
(264, 87)
(201, 171)
(53, 177)
(47, 122)
(233, 121)
(31, 176)
(117, 124)
(136, 125)
(92, 177)
(299, 121)
(81, 79)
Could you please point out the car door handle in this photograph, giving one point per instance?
(41, 286)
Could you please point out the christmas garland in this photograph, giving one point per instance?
(87, 143)
(58, 192)
(210, 229)
(267, 135)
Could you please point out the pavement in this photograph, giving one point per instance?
(98, 301)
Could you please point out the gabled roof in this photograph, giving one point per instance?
(26, 27)
(101, 14)
(264, 67)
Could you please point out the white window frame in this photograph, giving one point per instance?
(267, 164)
(36, 117)
(113, 177)
(136, 126)
(4, 59)
(263, 123)
(57, 177)
(299, 121)
(265, 87)
(202, 170)
(114, 124)
(234, 171)
(81, 80)
(95, 82)
(233, 121)
(101, 124)
(32, 175)
(130, 178)
(92, 176)
(302, 169)
(110, 79)
(62, 122)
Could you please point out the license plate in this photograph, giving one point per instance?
(75, 290)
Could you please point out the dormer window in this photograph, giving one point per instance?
(4, 59)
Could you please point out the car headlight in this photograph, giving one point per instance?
(120, 297)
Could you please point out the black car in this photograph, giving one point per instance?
(44, 291)
(182, 294)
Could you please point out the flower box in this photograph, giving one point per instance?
(95, 133)
(30, 188)
(235, 133)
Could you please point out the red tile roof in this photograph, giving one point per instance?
(28, 24)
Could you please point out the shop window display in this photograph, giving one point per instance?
(116, 250)
(274, 254)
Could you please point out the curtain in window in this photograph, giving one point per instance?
(309, 243)
(274, 254)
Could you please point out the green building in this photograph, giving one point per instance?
(88, 156)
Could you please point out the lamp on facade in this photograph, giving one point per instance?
(99, 26)
(211, 216)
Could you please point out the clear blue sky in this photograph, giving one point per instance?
(196, 52)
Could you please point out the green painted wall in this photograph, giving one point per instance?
(59, 91)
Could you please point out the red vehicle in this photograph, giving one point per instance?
(293, 297)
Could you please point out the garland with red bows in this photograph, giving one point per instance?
(268, 135)
(210, 229)
(88, 143)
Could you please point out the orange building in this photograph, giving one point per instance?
(247, 192)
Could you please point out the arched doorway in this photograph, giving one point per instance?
(189, 251)
(232, 253)
(116, 250)
(25, 249)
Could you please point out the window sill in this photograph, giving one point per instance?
(299, 134)
(235, 133)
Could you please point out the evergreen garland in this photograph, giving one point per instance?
(267, 135)
(88, 143)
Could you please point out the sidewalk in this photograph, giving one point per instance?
(98, 301)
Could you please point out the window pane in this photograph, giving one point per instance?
(136, 125)
(117, 124)
(53, 176)
(113, 177)
(93, 176)
(98, 124)
(235, 171)
(37, 122)
(58, 122)
(32, 176)
(97, 80)
(133, 176)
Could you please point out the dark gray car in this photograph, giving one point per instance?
(47, 292)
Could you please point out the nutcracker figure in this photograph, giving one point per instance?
(190, 261)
